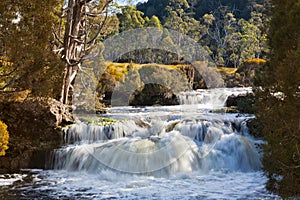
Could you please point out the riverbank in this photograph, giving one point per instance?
(34, 131)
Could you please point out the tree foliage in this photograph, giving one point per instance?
(27, 60)
(231, 31)
(3, 138)
(278, 102)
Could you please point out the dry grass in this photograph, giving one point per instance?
(226, 70)
(120, 69)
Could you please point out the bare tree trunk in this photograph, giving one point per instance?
(69, 77)
(73, 46)
(80, 34)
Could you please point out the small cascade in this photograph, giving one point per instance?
(161, 145)
(214, 98)
(160, 148)
(161, 156)
(88, 133)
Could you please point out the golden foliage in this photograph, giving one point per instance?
(118, 70)
(256, 61)
(226, 70)
(3, 138)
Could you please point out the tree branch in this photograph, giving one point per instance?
(99, 30)
(103, 23)
(9, 73)
(57, 38)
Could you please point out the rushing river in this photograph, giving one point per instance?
(160, 152)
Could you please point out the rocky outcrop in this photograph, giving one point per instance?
(245, 74)
(34, 131)
(242, 103)
(153, 94)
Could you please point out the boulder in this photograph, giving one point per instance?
(153, 94)
(243, 102)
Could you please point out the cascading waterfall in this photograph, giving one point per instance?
(161, 147)
(213, 98)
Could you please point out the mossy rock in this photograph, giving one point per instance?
(232, 109)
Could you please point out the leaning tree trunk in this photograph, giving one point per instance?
(73, 46)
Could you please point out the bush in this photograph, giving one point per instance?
(251, 64)
(3, 138)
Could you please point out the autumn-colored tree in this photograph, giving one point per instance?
(3, 138)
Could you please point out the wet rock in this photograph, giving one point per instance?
(154, 94)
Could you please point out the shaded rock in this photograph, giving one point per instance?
(153, 94)
(244, 76)
(243, 103)
(141, 123)
(33, 129)
(255, 127)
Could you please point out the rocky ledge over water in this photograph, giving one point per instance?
(33, 131)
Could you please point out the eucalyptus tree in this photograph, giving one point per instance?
(180, 20)
(82, 22)
(130, 18)
(220, 28)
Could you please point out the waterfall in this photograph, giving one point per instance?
(150, 145)
(213, 98)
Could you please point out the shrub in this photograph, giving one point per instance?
(3, 138)
(256, 61)
(251, 64)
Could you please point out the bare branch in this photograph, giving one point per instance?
(99, 30)
(93, 14)
(57, 38)
(78, 41)
(58, 51)
(85, 1)
(102, 24)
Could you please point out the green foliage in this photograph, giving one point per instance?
(231, 31)
(130, 18)
(198, 8)
(3, 138)
(278, 103)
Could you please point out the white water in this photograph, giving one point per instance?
(176, 152)
(214, 98)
